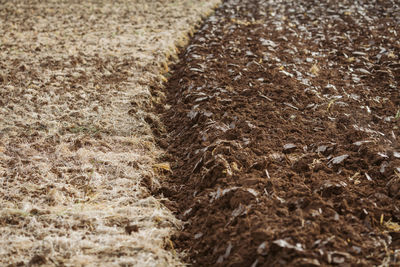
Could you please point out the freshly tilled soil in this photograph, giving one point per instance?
(283, 135)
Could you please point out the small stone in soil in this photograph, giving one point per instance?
(288, 148)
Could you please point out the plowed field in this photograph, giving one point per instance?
(282, 130)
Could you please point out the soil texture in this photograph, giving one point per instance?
(76, 152)
(282, 129)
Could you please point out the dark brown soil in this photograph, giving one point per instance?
(283, 135)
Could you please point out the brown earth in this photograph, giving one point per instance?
(283, 135)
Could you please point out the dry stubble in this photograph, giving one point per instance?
(74, 142)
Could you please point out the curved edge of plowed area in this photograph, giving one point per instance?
(78, 159)
(282, 129)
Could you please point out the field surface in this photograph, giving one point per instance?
(77, 156)
(274, 141)
(282, 129)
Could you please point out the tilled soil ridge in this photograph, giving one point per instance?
(77, 154)
(283, 130)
